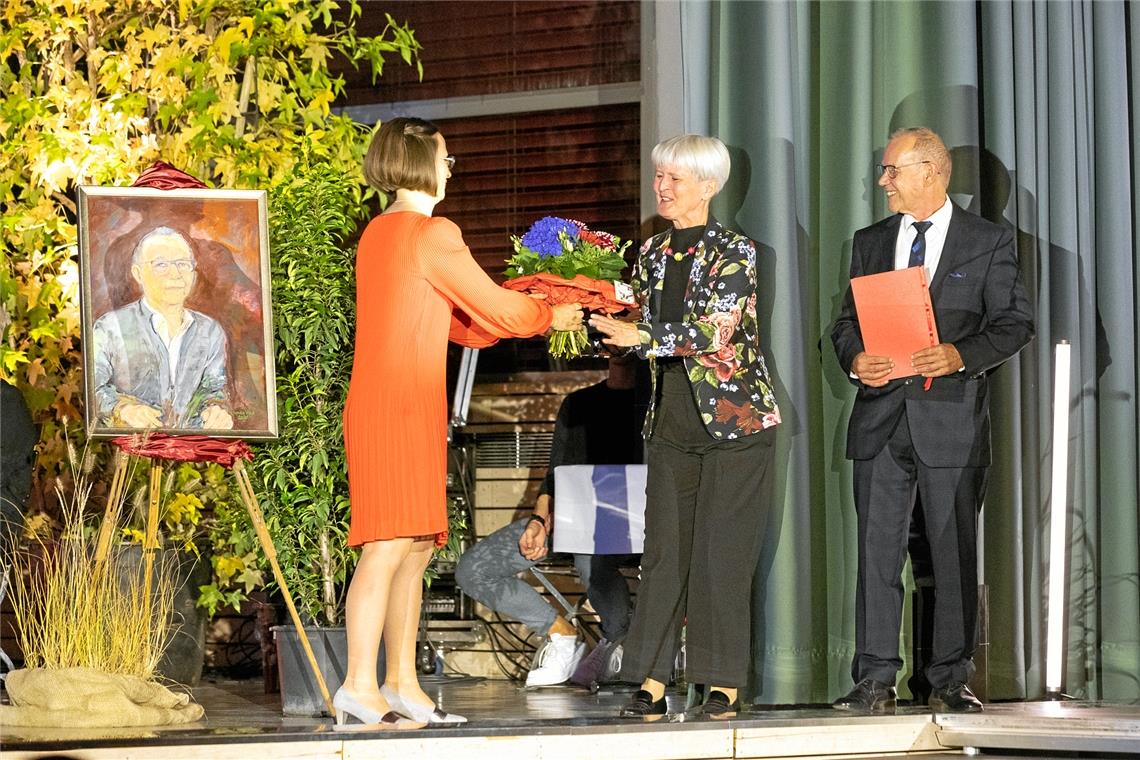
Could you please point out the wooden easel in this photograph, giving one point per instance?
(150, 542)
(162, 176)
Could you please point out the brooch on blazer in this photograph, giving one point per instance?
(957, 275)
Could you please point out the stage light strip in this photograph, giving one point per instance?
(1058, 524)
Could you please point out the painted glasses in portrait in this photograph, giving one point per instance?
(177, 330)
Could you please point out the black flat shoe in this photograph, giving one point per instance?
(718, 704)
(868, 696)
(955, 698)
(641, 705)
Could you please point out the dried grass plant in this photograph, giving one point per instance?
(74, 611)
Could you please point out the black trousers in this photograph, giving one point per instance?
(885, 489)
(707, 503)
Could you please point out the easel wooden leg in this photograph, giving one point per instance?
(249, 498)
(111, 513)
(150, 543)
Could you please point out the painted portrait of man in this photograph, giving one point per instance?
(159, 364)
(176, 312)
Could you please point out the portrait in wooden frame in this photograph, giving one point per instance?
(176, 316)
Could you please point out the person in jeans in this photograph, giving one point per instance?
(600, 424)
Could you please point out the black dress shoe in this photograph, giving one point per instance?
(641, 705)
(956, 698)
(718, 704)
(869, 696)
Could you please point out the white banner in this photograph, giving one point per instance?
(599, 508)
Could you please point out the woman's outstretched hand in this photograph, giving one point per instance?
(567, 317)
(618, 333)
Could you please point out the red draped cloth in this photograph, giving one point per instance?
(185, 448)
(163, 176)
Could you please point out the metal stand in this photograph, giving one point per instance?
(570, 612)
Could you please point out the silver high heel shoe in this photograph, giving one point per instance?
(346, 704)
(432, 715)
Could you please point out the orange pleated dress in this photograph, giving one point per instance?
(417, 287)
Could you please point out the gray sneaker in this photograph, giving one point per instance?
(597, 666)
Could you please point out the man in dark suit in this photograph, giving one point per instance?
(904, 437)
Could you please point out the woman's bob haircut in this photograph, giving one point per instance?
(703, 157)
(402, 154)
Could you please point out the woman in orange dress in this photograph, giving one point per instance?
(417, 287)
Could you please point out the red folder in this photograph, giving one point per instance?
(895, 316)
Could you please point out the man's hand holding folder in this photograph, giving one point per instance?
(900, 337)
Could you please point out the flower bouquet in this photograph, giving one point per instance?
(567, 262)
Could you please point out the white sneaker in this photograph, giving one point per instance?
(556, 661)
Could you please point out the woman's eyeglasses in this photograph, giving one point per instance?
(450, 161)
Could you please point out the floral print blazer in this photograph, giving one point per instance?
(719, 338)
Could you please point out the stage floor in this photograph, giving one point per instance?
(507, 722)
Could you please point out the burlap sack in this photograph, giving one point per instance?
(86, 698)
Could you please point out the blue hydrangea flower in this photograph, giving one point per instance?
(542, 237)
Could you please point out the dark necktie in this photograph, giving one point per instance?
(918, 247)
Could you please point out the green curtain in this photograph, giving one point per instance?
(1034, 100)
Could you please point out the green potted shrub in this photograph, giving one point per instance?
(302, 477)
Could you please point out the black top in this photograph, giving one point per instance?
(596, 425)
(672, 304)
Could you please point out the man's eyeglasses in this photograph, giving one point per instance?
(450, 161)
(182, 266)
(892, 171)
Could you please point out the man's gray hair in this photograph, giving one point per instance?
(704, 157)
(158, 232)
(929, 147)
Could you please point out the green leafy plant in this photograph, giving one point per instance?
(303, 474)
(236, 559)
(201, 516)
(236, 93)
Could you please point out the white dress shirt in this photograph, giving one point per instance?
(935, 239)
(173, 342)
